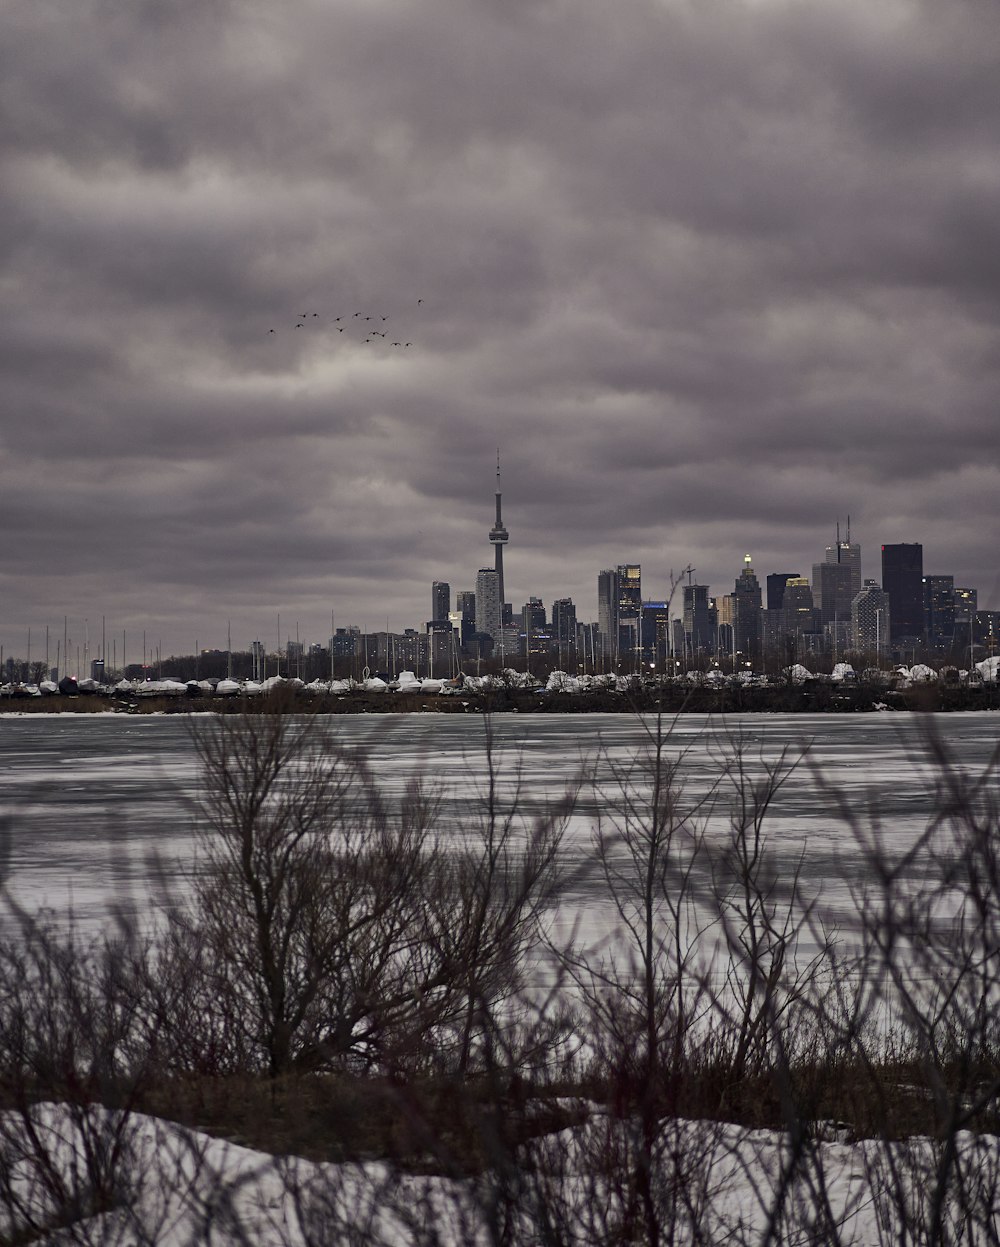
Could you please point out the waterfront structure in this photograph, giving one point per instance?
(903, 581)
(499, 538)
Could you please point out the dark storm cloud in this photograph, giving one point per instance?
(713, 273)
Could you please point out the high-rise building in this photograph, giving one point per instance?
(564, 629)
(499, 538)
(629, 609)
(776, 588)
(488, 602)
(847, 553)
(833, 592)
(939, 612)
(903, 581)
(746, 610)
(800, 614)
(440, 647)
(343, 644)
(698, 637)
(656, 639)
(797, 618)
(465, 606)
(533, 615)
(870, 619)
(725, 615)
(986, 632)
(440, 599)
(607, 610)
(966, 604)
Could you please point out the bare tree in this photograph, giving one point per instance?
(342, 931)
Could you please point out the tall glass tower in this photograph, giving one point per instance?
(903, 580)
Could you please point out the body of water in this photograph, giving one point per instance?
(88, 801)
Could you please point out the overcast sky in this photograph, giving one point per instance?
(713, 273)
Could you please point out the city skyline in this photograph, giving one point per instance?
(711, 275)
(619, 620)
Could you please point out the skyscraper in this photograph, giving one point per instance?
(629, 609)
(607, 610)
(870, 619)
(697, 625)
(746, 612)
(776, 588)
(533, 615)
(903, 581)
(499, 537)
(847, 552)
(939, 611)
(488, 602)
(440, 599)
(833, 591)
(564, 628)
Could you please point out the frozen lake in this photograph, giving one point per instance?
(88, 799)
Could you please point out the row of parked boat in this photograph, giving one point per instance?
(557, 682)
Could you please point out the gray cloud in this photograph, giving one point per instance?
(713, 273)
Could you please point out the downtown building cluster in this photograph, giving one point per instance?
(834, 614)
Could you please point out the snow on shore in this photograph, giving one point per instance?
(716, 1183)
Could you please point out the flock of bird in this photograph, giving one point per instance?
(305, 320)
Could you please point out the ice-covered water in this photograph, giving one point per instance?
(88, 800)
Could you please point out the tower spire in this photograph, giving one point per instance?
(499, 537)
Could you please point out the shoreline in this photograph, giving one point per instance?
(817, 698)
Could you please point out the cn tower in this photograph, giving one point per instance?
(499, 536)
